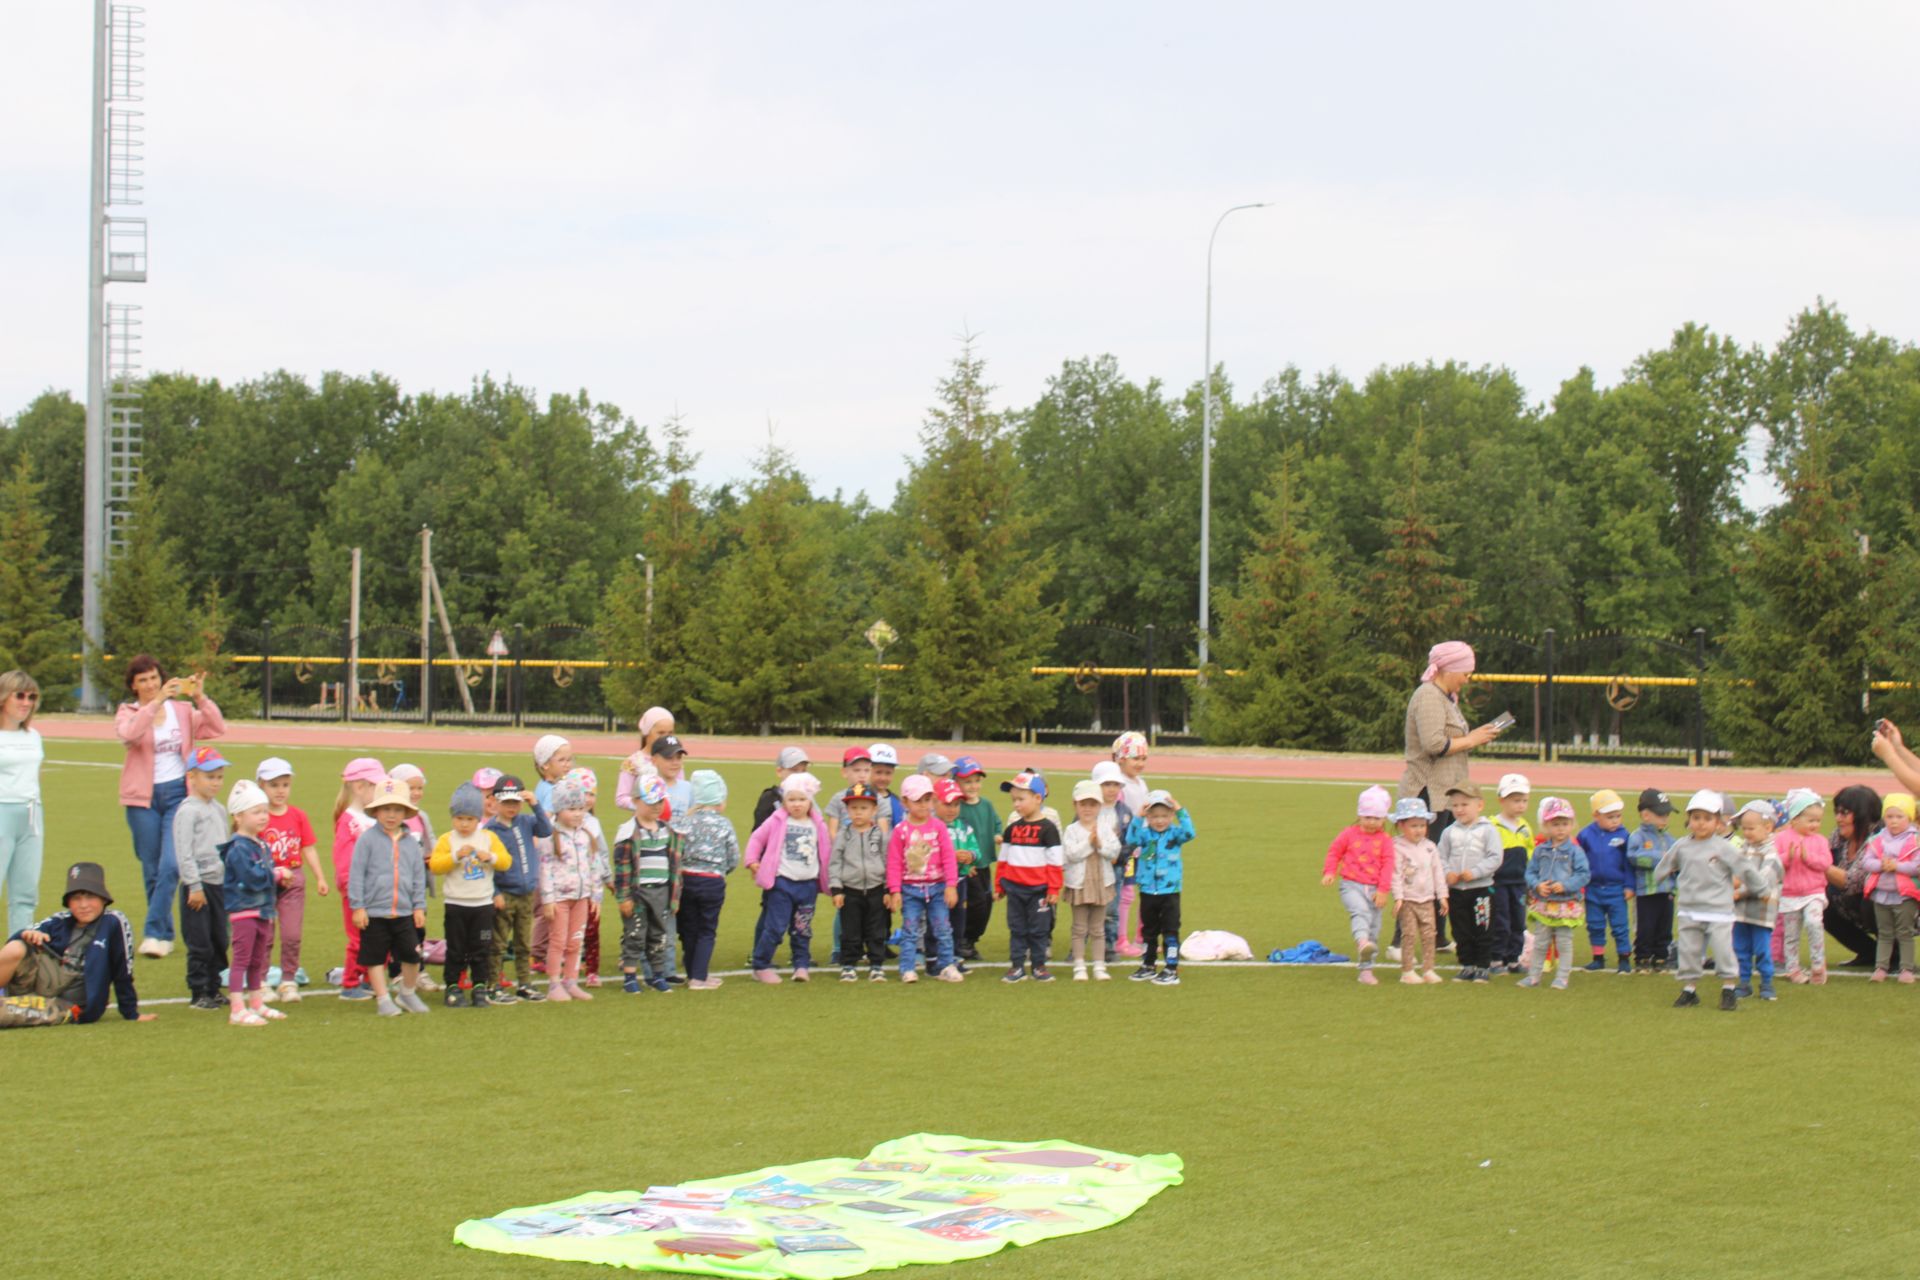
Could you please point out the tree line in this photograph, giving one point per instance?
(1355, 522)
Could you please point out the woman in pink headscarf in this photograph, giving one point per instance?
(1437, 735)
(655, 724)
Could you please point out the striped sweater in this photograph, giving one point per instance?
(1030, 854)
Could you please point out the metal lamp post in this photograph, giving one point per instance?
(1206, 445)
(880, 635)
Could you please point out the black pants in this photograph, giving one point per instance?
(1509, 921)
(1851, 927)
(469, 943)
(698, 923)
(979, 905)
(864, 925)
(1472, 912)
(205, 933)
(1160, 921)
(1029, 926)
(1652, 927)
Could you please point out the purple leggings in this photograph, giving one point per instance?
(251, 940)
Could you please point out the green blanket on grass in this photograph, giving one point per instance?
(917, 1200)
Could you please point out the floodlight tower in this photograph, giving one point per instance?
(116, 253)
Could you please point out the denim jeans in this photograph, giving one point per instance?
(1753, 947)
(152, 829)
(786, 910)
(701, 898)
(924, 904)
(1607, 907)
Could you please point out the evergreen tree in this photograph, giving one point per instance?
(34, 636)
(1287, 629)
(966, 595)
(144, 604)
(787, 655)
(1814, 618)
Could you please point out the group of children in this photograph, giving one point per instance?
(1747, 885)
(522, 874)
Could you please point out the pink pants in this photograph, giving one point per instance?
(352, 973)
(251, 940)
(565, 933)
(291, 908)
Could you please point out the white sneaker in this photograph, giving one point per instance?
(267, 995)
(1100, 973)
(425, 982)
(289, 993)
(1393, 954)
(911, 975)
(952, 974)
(155, 948)
(1079, 973)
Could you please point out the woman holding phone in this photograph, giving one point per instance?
(160, 726)
(1438, 739)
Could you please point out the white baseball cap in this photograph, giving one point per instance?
(1515, 784)
(1705, 800)
(1108, 771)
(272, 767)
(881, 753)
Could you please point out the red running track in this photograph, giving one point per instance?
(397, 740)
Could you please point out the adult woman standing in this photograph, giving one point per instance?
(1849, 917)
(160, 727)
(20, 814)
(1438, 739)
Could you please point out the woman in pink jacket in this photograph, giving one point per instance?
(160, 727)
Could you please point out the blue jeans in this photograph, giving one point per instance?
(152, 829)
(1753, 947)
(20, 849)
(786, 910)
(1607, 906)
(922, 904)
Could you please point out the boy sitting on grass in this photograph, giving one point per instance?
(59, 970)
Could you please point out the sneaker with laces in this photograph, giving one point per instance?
(531, 994)
(1079, 973)
(1014, 975)
(876, 975)
(411, 1001)
(1728, 1001)
(454, 998)
(502, 994)
(356, 993)
(1687, 1000)
(1040, 974)
(1528, 981)
(155, 948)
(631, 984)
(385, 1007)
(909, 976)
(577, 991)
(425, 982)
(658, 984)
(1100, 973)
(1596, 965)
(848, 975)
(952, 974)
(1143, 974)
(1167, 978)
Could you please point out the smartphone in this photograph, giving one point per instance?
(1502, 722)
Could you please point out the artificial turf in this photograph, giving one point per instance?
(1328, 1130)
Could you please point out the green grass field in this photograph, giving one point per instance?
(1328, 1130)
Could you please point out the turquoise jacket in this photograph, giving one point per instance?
(1157, 869)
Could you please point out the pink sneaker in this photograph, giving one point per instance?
(557, 993)
(593, 979)
(1906, 976)
(1798, 978)
(1367, 979)
(767, 976)
(1819, 977)
(1879, 975)
(573, 989)
(801, 975)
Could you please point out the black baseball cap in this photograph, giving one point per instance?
(1655, 801)
(509, 788)
(668, 747)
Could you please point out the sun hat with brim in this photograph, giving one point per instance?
(386, 792)
(86, 877)
(1411, 809)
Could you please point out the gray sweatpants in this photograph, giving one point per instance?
(1693, 937)
(1357, 898)
(1560, 937)
(644, 933)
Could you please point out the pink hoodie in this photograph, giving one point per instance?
(1806, 859)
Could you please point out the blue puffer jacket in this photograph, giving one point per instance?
(249, 877)
(1158, 869)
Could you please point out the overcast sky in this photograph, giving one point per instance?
(786, 214)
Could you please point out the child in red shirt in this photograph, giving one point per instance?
(1361, 858)
(290, 842)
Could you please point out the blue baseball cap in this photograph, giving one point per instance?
(206, 760)
(1026, 780)
(967, 767)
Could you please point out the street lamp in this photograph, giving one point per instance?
(641, 556)
(1206, 442)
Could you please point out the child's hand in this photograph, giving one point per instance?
(953, 897)
(33, 937)
(1380, 899)
(359, 918)
(626, 907)
(1053, 899)
(550, 910)
(419, 919)
(499, 902)
(893, 902)
(1327, 879)
(1453, 877)
(1629, 895)
(1443, 906)
(839, 900)
(321, 883)
(196, 900)
(998, 892)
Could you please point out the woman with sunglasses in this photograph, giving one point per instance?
(20, 817)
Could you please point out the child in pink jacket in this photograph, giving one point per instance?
(922, 879)
(1361, 859)
(788, 854)
(1805, 855)
(1419, 889)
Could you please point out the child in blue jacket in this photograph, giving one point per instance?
(1610, 891)
(251, 904)
(1157, 837)
(1557, 877)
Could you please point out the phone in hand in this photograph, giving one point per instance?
(1502, 722)
(1880, 727)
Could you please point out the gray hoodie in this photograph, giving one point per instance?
(1703, 871)
(199, 829)
(388, 877)
(1474, 848)
(859, 858)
